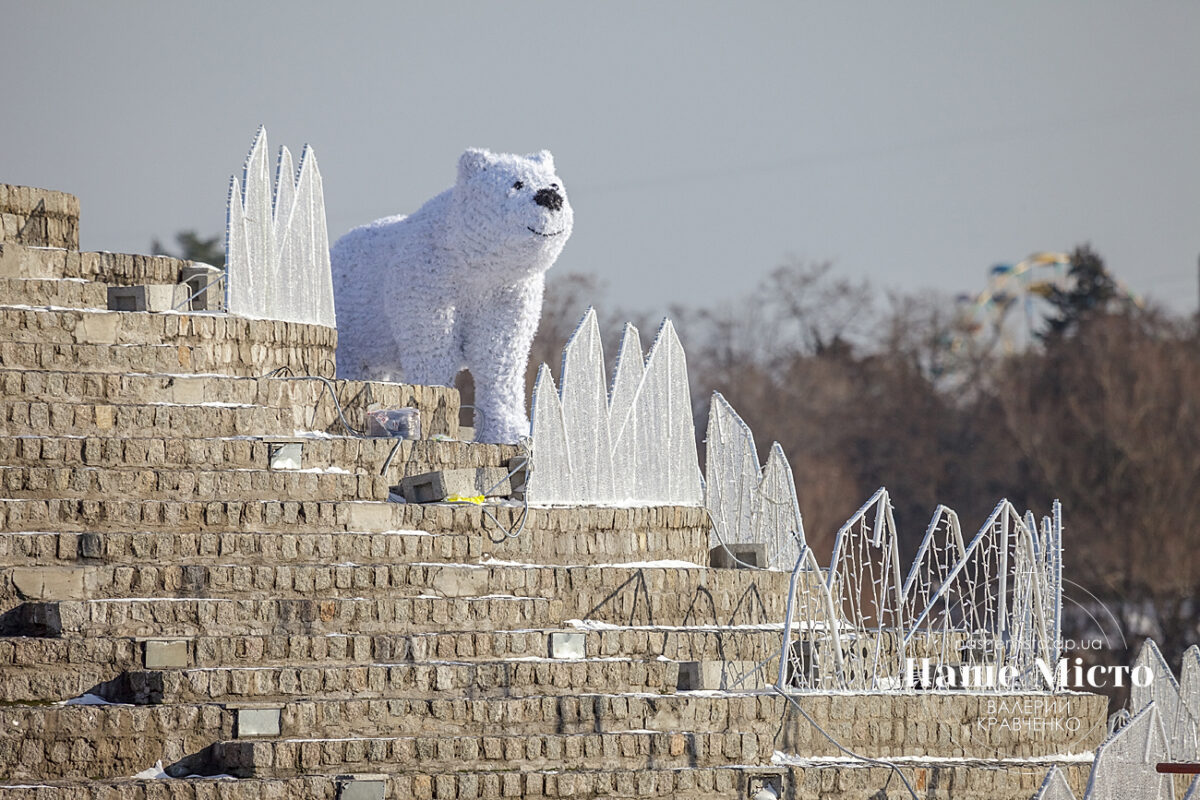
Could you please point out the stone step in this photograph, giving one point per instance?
(21, 418)
(36, 531)
(119, 341)
(189, 484)
(823, 780)
(440, 679)
(188, 617)
(881, 726)
(374, 597)
(218, 357)
(19, 260)
(401, 703)
(310, 401)
(38, 217)
(566, 752)
(39, 668)
(650, 595)
(54, 293)
(240, 452)
(103, 741)
(93, 326)
(50, 683)
(677, 643)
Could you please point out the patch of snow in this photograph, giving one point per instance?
(209, 404)
(787, 759)
(596, 625)
(88, 699)
(152, 773)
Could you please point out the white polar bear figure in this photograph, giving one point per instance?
(456, 285)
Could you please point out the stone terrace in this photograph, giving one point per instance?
(270, 633)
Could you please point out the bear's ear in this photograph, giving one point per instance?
(544, 158)
(473, 161)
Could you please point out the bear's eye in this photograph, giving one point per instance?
(518, 184)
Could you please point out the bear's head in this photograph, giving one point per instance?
(511, 211)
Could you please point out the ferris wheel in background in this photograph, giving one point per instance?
(1007, 315)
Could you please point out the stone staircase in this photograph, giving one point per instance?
(288, 633)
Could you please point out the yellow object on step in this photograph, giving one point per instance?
(457, 498)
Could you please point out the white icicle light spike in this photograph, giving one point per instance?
(637, 449)
(584, 399)
(1125, 762)
(277, 243)
(627, 377)
(1178, 721)
(748, 504)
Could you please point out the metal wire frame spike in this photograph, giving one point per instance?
(992, 604)
(1124, 768)
(932, 635)
(865, 584)
(994, 599)
(811, 657)
(1054, 787)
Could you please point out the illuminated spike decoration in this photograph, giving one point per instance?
(1124, 768)
(276, 240)
(1175, 700)
(634, 444)
(749, 505)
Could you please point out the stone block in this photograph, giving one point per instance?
(738, 556)
(97, 328)
(165, 654)
(49, 583)
(187, 390)
(202, 282)
(138, 298)
(718, 675)
(567, 645)
(361, 787)
(518, 466)
(364, 516)
(460, 582)
(433, 487)
(252, 722)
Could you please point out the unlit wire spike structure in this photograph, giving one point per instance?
(1054, 787)
(992, 602)
(277, 241)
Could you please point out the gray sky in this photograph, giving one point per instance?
(914, 144)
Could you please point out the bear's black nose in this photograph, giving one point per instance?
(548, 198)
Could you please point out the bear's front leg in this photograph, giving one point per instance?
(424, 333)
(498, 330)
